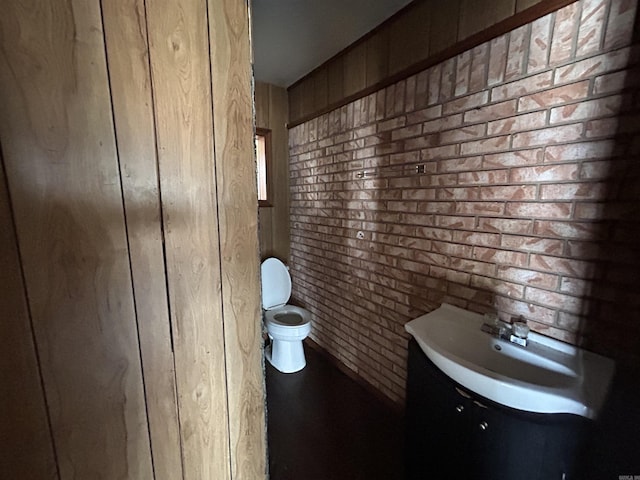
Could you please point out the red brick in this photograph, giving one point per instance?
(459, 223)
(555, 300)
(392, 124)
(518, 40)
(508, 192)
(447, 80)
(528, 277)
(588, 109)
(574, 230)
(477, 77)
(463, 65)
(446, 179)
(539, 210)
(592, 66)
(497, 286)
(518, 123)
(554, 96)
(547, 173)
(445, 123)
(477, 238)
(606, 127)
(620, 27)
(433, 93)
(533, 244)
(425, 114)
(466, 103)
(483, 177)
(591, 28)
(546, 136)
(521, 87)
(539, 44)
(451, 249)
(488, 145)
(497, 60)
(568, 191)
(434, 233)
(406, 132)
(422, 84)
(461, 134)
(564, 266)
(500, 256)
(615, 82)
(490, 112)
(505, 225)
(515, 158)
(472, 266)
(410, 95)
(460, 164)
(421, 194)
(564, 30)
(591, 211)
(435, 153)
(576, 286)
(470, 193)
(479, 208)
(580, 151)
(436, 207)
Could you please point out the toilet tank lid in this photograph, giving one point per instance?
(276, 283)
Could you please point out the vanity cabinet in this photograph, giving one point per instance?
(453, 433)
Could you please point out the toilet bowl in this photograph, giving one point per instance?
(287, 325)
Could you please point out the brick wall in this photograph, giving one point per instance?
(503, 179)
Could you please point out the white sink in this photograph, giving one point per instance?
(546, 376)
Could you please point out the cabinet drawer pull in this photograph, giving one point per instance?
(484, 426)
(459, 408)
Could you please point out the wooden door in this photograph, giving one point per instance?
(130, 295)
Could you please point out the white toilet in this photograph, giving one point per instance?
(287, 325)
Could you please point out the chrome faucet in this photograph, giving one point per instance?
(514, 332)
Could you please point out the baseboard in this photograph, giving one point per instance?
(399, 408)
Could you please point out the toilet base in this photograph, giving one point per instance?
(286, 356)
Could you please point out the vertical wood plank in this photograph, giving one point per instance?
(127, 52)
(443, 31)
(409, 37)
(265, 230)
(476, 15)
(335, 82)
(307, 95)
(179, 54)
(280, 163)
(377, 56)
(355, 69)
(27, 448)
(262, 99)
(320, 90)
(295, 102)
(62, 170)
(237, 200)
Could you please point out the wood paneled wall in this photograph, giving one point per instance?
(271, 113)
(403, 45)
(129, 289)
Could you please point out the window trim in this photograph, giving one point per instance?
(266, 133)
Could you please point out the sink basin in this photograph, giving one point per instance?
(546, 376)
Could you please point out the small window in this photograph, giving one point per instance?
(263, 156)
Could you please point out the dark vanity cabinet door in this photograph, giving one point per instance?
(438, 415)
(453, 433)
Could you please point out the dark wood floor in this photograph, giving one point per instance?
(324, 426)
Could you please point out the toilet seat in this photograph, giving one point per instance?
(276, 284)
(289, 321)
